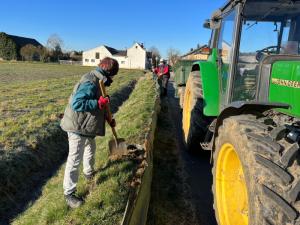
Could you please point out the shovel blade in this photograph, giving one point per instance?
(119, 148)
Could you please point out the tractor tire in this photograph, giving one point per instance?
(256, 173)
(181, 96)
(194, 123)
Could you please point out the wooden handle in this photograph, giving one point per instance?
(102, 87)
(109, 115)
(103, 92)
(115, 135)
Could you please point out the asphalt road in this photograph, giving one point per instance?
(181, 184)
(196, 167)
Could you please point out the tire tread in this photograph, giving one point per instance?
(273, 164)
(289, 211)
(285, 177)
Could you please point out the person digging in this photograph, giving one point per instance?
(83, 120)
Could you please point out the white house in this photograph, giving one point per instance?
(135, 57)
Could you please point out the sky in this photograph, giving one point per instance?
(86, 24)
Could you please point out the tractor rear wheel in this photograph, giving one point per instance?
(181, 96)
(256, 173)
(194, 123)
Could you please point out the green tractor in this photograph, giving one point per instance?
(243, 103)
(181, 70)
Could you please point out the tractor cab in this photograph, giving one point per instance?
(250, 37)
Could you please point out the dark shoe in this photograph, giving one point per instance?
(73, 201)
(90, 176)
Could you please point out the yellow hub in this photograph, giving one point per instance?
(231, 189)
(186, 112)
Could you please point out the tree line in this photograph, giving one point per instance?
(173, 55)
(9, 50)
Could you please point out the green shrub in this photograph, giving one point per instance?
(8, 48)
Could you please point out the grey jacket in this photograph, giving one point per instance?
(86, 123)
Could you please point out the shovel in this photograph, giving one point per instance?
(117, 146)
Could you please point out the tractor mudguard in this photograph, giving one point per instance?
(210, 84)
(241, 107)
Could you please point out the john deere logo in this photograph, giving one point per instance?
(286, 83)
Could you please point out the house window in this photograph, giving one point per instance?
(122, 62)
(86, 60)
(97, 56)
(92, 60)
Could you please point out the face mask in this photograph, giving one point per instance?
(108, 81)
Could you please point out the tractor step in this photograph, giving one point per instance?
(206, 145)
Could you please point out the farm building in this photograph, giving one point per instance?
(200, 53)
(135, 57)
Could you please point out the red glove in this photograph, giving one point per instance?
(102, 102)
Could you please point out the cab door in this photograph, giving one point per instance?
(227, 43)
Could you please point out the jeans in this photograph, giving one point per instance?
(163, 82)
(79, 148)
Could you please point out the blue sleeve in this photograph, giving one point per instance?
(85, 98)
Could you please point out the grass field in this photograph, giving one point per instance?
(106, 195)
(32, 96)
(28, 107)
(23, 72)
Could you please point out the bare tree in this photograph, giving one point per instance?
(43, 52)
(53, 41)
(55, 44)
(155, 55)
(173, 56)
(30, 52)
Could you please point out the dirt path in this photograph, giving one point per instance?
(181, 187)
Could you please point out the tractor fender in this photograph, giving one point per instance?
(241, 107)
(210, 85)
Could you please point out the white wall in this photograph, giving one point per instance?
(136, 57)
(89, 56)
(122, 60)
